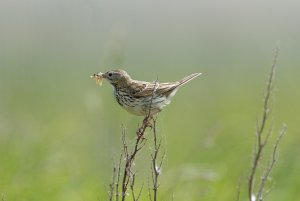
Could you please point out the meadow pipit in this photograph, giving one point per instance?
(140, 97)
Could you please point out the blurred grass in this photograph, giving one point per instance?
(57, 141)
(59, 131)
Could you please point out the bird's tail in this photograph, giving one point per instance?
(188, 78)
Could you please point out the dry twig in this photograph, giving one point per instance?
(271, 164)
(112, 185)
(262, 139)
(127, 178)
(156, 167)
(130, 157)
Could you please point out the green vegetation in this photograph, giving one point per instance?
(59, 132)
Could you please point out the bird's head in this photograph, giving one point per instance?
(116, 77)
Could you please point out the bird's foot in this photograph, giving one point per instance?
(148, 122)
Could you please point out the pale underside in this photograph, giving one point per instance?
(145, 98)
(150, 98)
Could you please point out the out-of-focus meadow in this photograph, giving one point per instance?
(59, 132)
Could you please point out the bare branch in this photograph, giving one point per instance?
(271, 164)
(262, 139)
(149, 190)
(132, 187)
(118, 176)
(125, 176)
(156, 166)
(139, 144)
(140, 192)
(112, 184)
(260, 128)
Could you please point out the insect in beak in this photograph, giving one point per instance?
(98, 77)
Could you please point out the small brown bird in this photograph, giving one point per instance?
(140, 97)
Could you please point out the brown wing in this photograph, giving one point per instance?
(139, 88)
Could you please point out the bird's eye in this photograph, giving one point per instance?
(109, 74)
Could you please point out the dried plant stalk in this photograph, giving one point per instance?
(262, 139)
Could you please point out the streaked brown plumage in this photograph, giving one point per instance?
(138, 96)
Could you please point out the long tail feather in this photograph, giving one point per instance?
(188, 78)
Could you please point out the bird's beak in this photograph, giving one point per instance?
(103, 75)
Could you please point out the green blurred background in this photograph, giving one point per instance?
(59, 132)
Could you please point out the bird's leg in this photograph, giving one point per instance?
(148, 121)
